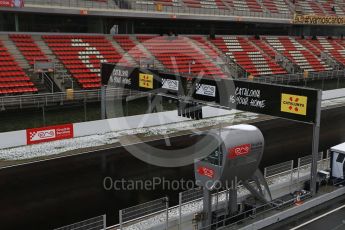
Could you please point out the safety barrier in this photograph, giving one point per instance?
(95, 223)
(132, 215)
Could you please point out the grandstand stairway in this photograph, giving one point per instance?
(123, 52)
(44, 47)
(310, 7)
(199, 43)
(13, 49)
(178, 56)
(62, 79)
(276, 6)
(157, 63)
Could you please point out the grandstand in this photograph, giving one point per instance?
(268, 47)
(82, 55)
(269, 8)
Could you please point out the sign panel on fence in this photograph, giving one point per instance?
(318, 19)
(288, 102)
(11, 3)
(49, 133)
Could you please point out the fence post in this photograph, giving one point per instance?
(104, 221)
(265, 172)
(2, 104)
(298, 168)
(120, 219)
(180, 210)
(291, 175)
(167, 212)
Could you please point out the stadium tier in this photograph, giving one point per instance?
(320, 7)
(250, 8)
(134, 50)
(321, 45)
(82, 55)
(13, 79)
(297, 53)
(28, 48)
(253, 60)
(181, 55)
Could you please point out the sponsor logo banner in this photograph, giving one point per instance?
(294, 104)
(12, 3)
(49, 133)
(170, 84)
(206, 90)
(240, 150)
(146, 81)
(120, 76)
(319, 20)
(204, 171)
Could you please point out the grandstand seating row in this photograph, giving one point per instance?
(13, 80)
(82, 55)
(286, 7)
(28, 48)
(279, 6)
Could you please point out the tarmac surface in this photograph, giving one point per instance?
(331, 220)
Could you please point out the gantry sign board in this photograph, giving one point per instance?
(295, 103)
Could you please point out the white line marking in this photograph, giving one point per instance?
(316, 218)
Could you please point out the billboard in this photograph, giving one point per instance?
(295, 103)
(12, 3)
(49, 133)
(318, 19)
(288, 102)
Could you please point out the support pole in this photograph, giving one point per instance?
(233, 200)
(167, 212)
(85, 109)
(16, 22)
(104, 222)
(103, 111)
(120, 219)
(43, 115)
(180, 210)
(315, 147)
(207, 209)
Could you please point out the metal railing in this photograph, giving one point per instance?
(312, 76)
(132, 215)
(46, 99)
(95, 223)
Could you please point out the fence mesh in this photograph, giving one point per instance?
(143, 209)
(278, 168)
(95, 223)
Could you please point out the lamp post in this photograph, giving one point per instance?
(190, 66)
